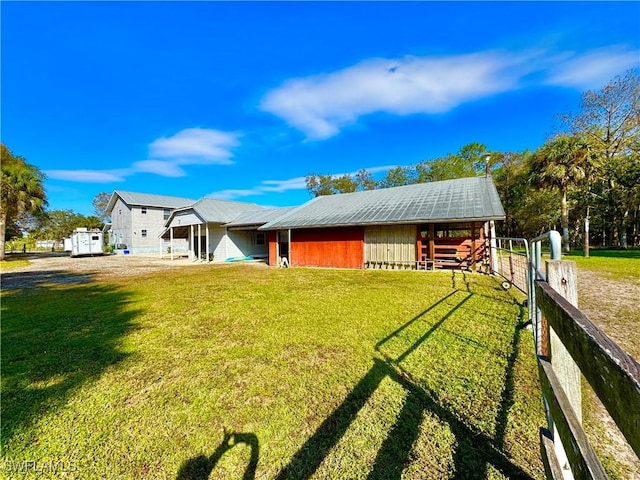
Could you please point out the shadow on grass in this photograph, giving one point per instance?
(57, 344)
(473, 450)
(200, 468)
(42, 278)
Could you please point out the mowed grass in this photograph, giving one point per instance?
(614, 264)
(612, 305)
(10, 262)
(209, 372)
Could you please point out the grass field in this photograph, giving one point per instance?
(10, 262)
(610, 300)
(615, 264)
(267, 373)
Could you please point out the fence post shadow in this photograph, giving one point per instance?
(200, 467)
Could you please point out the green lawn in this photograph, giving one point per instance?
(285, 374)
(10, 262)
(612, 305)
(615, 264)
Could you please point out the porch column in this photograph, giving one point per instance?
(191, 252)
(207, 240)
(171, 241)
(199, 242)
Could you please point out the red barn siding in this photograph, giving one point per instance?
(328, 247)
(272, 238)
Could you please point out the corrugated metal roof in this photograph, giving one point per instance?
(463, 199)
(258, 217)
(148, 199)
(221, 211)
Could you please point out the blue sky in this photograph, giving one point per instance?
(241, 100)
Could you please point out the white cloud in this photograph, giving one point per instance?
(231, 194)
(190, 146)
(159, 167)
(278, 186)
(196, 145)
(86, 176)
(593, 69)
(297, 183)
(321, 105)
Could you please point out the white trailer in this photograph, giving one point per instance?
(86, 241)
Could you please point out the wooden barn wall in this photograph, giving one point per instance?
(272, 239)
(390, 244)
(327, 247)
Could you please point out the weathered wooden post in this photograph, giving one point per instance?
(561, 276)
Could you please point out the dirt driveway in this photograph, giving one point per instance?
(57, 268)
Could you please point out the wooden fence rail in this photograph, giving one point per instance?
(612, 373)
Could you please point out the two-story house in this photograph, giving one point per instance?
(137, 221)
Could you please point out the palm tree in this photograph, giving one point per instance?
(560, 163)
(21, 190)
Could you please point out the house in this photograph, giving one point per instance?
(137, 221)
(430, 225)
(219, 230)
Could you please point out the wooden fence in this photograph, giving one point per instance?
(572, 346)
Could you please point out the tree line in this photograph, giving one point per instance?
(584, 180)
(23, 205)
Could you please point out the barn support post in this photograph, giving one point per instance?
(493, 250)
(473, 246)
(171, 240)
(432, 245)
(160, 246)
(289, 240)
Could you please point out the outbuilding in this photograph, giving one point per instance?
(220, 230)
(444, 224)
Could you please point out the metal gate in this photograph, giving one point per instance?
(520, 267)
(510, 260)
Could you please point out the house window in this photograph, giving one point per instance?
(261, 238)
(167, 213)
(144, 210)
(144, 232)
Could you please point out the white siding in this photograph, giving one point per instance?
(152, 222)
(217, 236)
(243, 244)
(187, 217)
(127, 223)
(121, 224)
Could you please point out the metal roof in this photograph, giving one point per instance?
(148, 199)
(463, 199)
(258, 217)
(218, 211)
